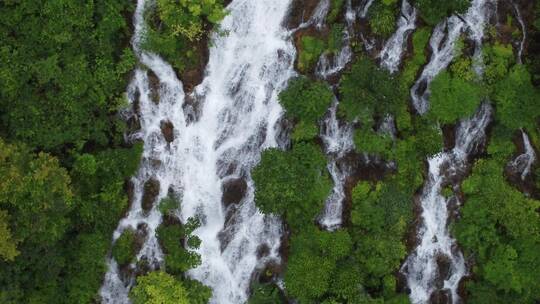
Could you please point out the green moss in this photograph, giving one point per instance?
(311, 49)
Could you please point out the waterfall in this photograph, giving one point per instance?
(338, 141)
(239, 117)
(523, 31)
(443, 46)
(393, 49)
(523, 162)
(437, 265)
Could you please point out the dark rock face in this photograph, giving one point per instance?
(441, 297)
(154, 86)
(443, 263)
(301, 11)
(151, 191)
(233, 191)
(167, 128)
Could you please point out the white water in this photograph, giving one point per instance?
(395, 46)
(326, 66)
(443, 46)
(338, 141)
(523, 163)
(365, 8)
(239, 114)
(421, 266)
(523, 31)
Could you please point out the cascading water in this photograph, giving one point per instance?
(523, 31)
(523, 162)
(239, 115)
(443, 46)
(338, 142)
(423, 266)
(393, 49)
(327, 67)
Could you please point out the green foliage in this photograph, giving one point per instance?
(63, 70)
(310, 50)
(124, 248)
(516, 99)
(159, 288)
(500, 229)
(167, 205)
(265, 294)
(36, 193)
(335, 9)
(497, 58)
(179, 259)
(369, 141)
(434, 11)
(382, 17)
(367, 90)
(8, 247)
(379, 218)
(312, 261)
(335, 39)
(177, 27)
(420, 40)
(453, 98)
(293, 184)
(305, 101)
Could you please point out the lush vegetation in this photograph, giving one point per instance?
(178, 30)
(434, 11)
(383, 16)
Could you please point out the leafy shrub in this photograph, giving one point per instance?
(312, 261)
(420, 40)
(453, 98)
(158, 287)
(124, 248)
(434, 11)
(367, 90)
(382, 17)
(292, 184)
(310, 50)
(179, 259)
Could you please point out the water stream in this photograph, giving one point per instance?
(395, 46)
(437, 265)
(443, 43)
(239, 117)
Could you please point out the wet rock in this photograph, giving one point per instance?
(443, 269)
(234, 191)
(301, 11)
(153, 81)
(129, 187)
(269, 273)
(263, 251)
(167, 128)
(151, 191)
(443, 296)
(141, 235)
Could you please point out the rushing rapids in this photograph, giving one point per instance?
(238, 117)
(436, 266)
(443, 46)
(393, 49)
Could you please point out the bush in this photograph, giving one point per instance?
(453, 98)
(382, 17)
(434, 11)
(292, 184)
(367, 90)
(312, 261)
(310, 50)
(500, 230)
(124, 248)
(179, 259)
(158, 287)
(420, 40)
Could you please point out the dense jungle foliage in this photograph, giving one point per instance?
(65, 164)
